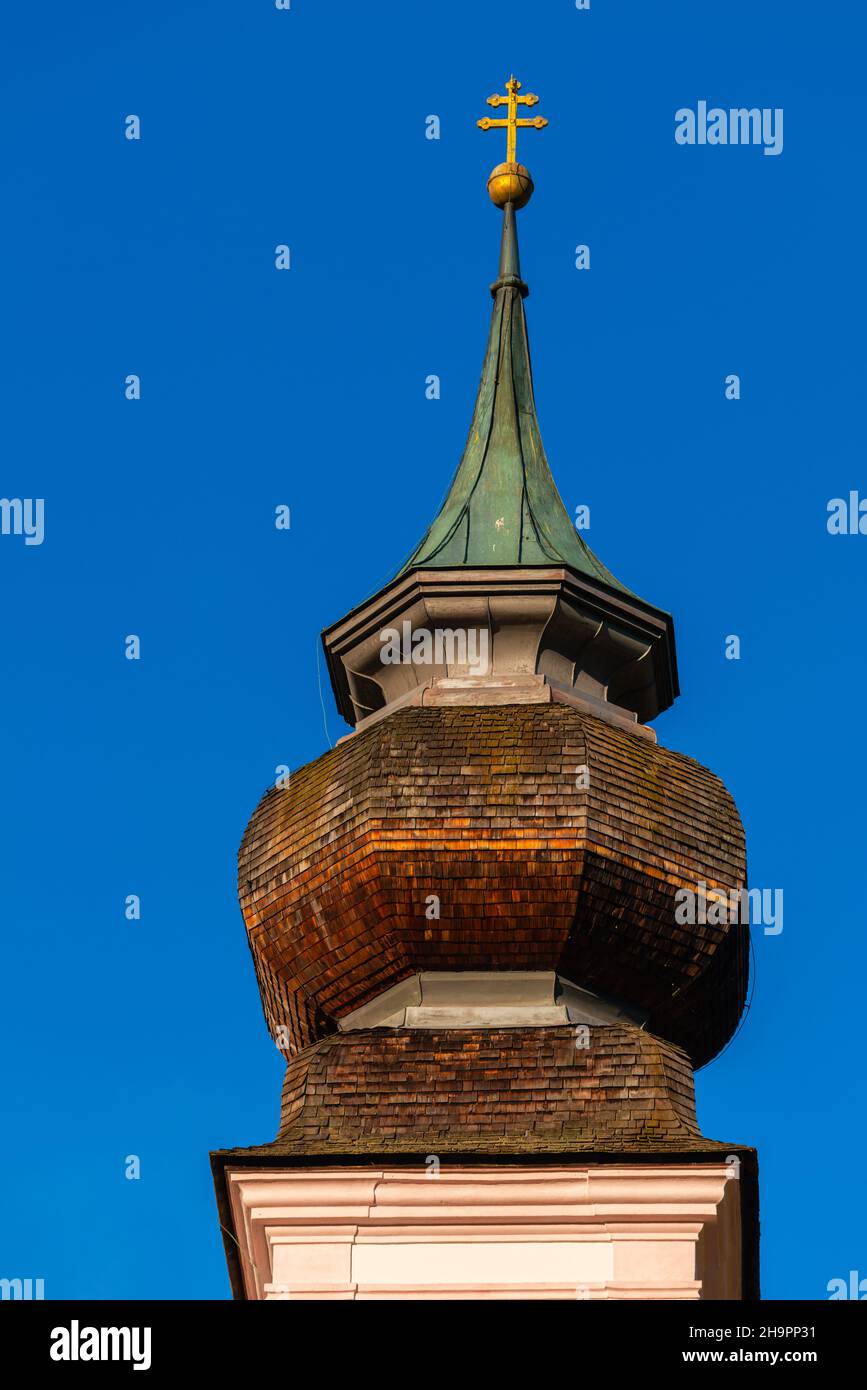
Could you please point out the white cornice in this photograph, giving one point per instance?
(636, 1230)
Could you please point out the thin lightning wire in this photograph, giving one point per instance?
(746, 1012)
(243, 1253)
(321, 696)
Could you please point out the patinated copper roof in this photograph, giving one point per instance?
(503, 507)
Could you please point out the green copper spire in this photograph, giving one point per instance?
(503, 507)
(502, 561)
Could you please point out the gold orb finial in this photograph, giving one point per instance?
(510, 182)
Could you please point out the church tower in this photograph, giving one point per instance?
(467, 920)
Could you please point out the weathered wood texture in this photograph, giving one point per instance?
(479, 807)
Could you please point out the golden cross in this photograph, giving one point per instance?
(512, 121)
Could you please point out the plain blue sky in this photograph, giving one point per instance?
(307, 127)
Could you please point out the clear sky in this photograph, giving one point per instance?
(155, 257)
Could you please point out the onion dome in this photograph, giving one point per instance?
(460, 839)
